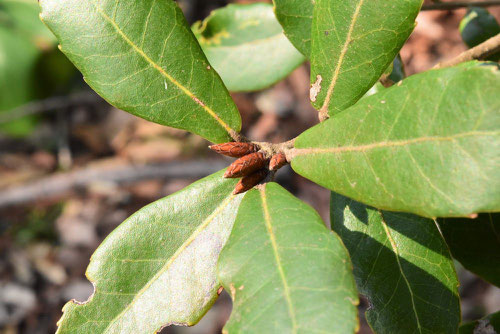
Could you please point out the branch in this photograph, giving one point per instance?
(460, 4)
(481, 51)
(61, 183)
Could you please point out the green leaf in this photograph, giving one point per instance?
(246, 46)
(142, 57)
(159, 266)
(353, 42)
(477, 26)
(486, 325)
(476, 244)
(22, 39)
(428, 145)
(402, 265)
(295, 16)
(18, 57)
(285, 271)
(23, 17)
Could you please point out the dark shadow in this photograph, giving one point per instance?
(376, 281)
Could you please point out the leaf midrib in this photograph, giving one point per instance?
(272, 237)
(385, 144)
(171, 260)
(396, 253)
(160, 69)
(343, 52)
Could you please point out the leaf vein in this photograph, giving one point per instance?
(272, 237)
(160, 69)
(396, 252)
(171, 260)
(324, 107)
(385, 144)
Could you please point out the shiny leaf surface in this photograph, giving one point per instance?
(353, 43)
(246, 46)
(142, 57)
(285, 271)
(429, 145)
(295, 16)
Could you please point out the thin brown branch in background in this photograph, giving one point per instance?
(50, 104)
(460, 4)
(479, 52)
(118, 173)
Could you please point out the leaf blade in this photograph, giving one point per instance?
(295, 16)
(159, 264)
(413, 149)
(22, 16)
(246, 46)
(155, 55)
(352, 45)
(402, 265)
(19, 56)
(475, 243)
(275, 237)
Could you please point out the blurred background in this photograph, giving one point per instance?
(73, 167)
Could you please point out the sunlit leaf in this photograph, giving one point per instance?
(429, 145)
(142, 57)
(246, 46)
(353, 42)
(158, 267)
(295, 16)
(285, 271)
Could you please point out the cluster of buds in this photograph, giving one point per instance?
(252, 164)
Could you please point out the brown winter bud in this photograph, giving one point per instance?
(277, 161)
(234, 149)
(246, 165)
(248, 182)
